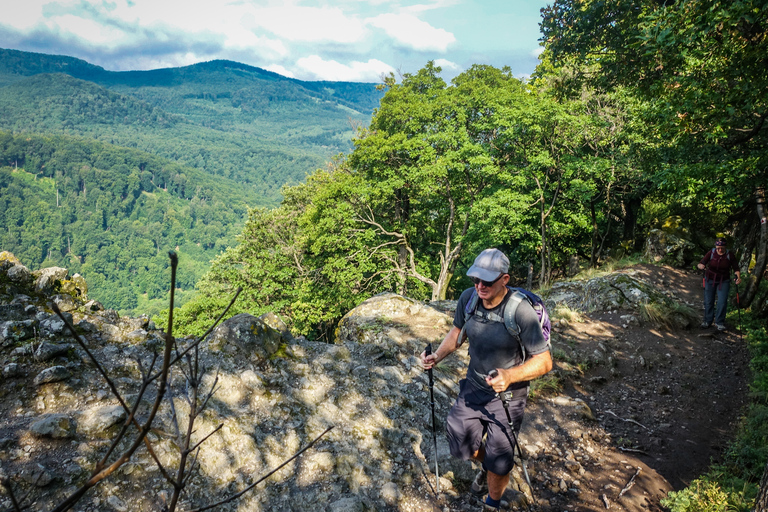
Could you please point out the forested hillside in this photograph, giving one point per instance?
(225, 118)
(102, 171)
(112, 214)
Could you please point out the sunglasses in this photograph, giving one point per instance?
(487, 284)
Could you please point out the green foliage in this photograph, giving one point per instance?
(111, 214)
(224, 118)
(442, 173)
(706, 494)
(699, 65)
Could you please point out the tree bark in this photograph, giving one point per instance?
(761, 503)
(753, 279)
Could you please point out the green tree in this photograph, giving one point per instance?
(701, 65)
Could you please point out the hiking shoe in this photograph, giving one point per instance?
(480, 483)
(504, 505)
(720, 327)
(705, 325)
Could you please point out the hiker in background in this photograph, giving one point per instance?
(717, 265)
(478, 411)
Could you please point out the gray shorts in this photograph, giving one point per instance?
(469, 422)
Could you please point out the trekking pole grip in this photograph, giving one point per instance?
(502, 394)
(428, 351)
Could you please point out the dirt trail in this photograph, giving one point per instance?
(667, 400)
(663, 404)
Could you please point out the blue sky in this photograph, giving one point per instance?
(350, 40)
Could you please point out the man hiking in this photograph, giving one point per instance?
(717, 265)
(477, 424)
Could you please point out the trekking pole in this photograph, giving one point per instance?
(738, 305)
(504, 400)
(428, 351)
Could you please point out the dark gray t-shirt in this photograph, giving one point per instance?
(490, 344)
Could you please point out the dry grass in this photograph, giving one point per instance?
(667, 315)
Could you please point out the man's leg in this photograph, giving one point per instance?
(709, 301)
(497, 484)
(722, 301)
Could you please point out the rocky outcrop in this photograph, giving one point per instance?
(669, 246)
(626, 290)
(274, 394)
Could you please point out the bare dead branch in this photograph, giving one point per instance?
(98, 476)
(6, 482)
(210, 329)
(630, 483)
(197, 445)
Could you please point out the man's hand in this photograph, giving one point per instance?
(428, 361)
(497, 380)
(700, 266)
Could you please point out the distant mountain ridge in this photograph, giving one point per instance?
(119, 167)
(225, 118)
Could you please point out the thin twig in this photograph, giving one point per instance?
(254, 484)
(632, 450)
(98, 477)
(205, 335)
(627, 420)
(130, 411)
(205, 438)
(6, 482)
(630, 483)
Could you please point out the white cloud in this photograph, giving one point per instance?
(370, 71)
(537, 52)
(447, 65)
(309, 24)
(410, 31)
(280, 70)
(88, 30)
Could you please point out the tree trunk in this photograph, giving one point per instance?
(761, 503)
(631, 207)
(543, 274)
(753, 279)
(595, 236)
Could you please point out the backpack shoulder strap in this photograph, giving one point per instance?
(510, 310)
(469, 310)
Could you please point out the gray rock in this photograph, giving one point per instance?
(116, 503)
(52, 374)
(75, 287)
(64, 302)
(16, 330)
(277, 324)
(48, 280)
(669, 246)
(39, 476)
(390, 493)
(12, 370)
(7, 260)
(48, 351)
(57, 426)
(100, 419)
(13, 312)
(347, 505)
(136, 336)
(19, 274)
(52, 325)
(92, 306)
(247, 333)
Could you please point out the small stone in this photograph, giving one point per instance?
(52, 374)
(12, 370)
(57, 426)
